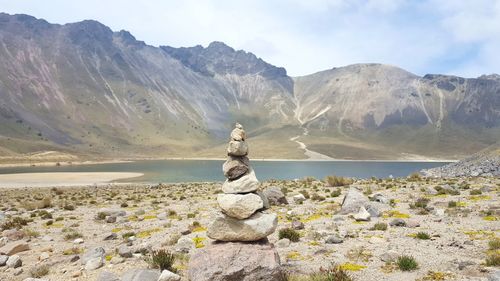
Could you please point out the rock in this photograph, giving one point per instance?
(238, 134)
(438, 212)
(14, 248)
(3, 260)
(334, 239)
(111, 219)
(94, 263)
(430, 190)
(412, 223)
(124, 251)
(353, 200)
(265, 201)
(2, 216)
(76, 274)
(18, 271)
(235, 167)
(14, 262)
(107, 276)
(116, 260)
(78, 241)
(256, 227)
(13, 234)
(184, 245)
(362, 215)
(111, 236)
(112, 212)
(94, 253)
(275, 196)
(74, 258)
(299, 198)
(494, 276)
(44, 256)
(397, 222)
(47, 238)
(240, 206)
(237, 148)
(283, 243)
(141, 275)
(245, 184)
(235, 261)
(3, 241)
(389, 256)
(162, 216)
(379, 198)
(297, 225)
(168, 276)
(373, 209)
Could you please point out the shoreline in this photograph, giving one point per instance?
(63, 179)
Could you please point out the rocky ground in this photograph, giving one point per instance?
(450, 227)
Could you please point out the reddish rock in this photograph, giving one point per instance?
(14, 248)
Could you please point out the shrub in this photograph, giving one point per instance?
(289, 233)
(101, 216)
(494, 244)
(333, 273)
(407, 263)
(128, 235)
(493, 259)
(380, 226)
(452, 204)
(317, 197)
(336, 193)
(39, 271)
(305, 193)
(337, 181)
(420, 203)
(124, 205)
(414, 177)
(69, 207)
(72, 235)
(475, 192)
(423, 236)
(164, 260)
(15, 222)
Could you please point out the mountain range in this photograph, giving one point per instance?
(83, 89)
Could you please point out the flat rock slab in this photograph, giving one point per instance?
(141, 275)
(231, 261)
(240, 206)
(14, 248)
(256, 227)
(246, 184)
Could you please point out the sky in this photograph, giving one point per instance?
(458, 37)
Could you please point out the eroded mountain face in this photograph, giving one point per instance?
(82, 87)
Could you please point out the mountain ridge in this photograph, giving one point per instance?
(83, 88)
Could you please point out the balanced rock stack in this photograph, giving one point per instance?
(242, 202)
(240, 251)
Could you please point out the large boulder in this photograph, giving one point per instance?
(235, 167)
(246, 184)
(141, 275)
(93, 258)
(107, 276)
(237, 148)
(232, 261)
(275, 195)
(240, 206)
(14, 248)
(256, 227)
(353, 200)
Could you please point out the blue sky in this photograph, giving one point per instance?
(460, 37)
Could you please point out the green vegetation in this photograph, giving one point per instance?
(422, 236)
(14, 223)
(333, 273)
(494, 244)
(337, 181)
(162, 259)
(420, 203)
(289, 233)
(493, 259)
(475, 192)
(407, 263)
(379, 226)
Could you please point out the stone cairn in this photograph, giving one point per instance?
(242, 202)
(241, 250)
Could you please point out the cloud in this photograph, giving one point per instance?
(429, 36)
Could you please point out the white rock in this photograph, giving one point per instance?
(362, 215)
(245, 184)
(256, 227)
(240, 206)
(78, 241)
(168, 276)
(14, 261)
(299, 198)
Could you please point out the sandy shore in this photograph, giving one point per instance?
(61, 179)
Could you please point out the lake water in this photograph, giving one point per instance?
(170, 171)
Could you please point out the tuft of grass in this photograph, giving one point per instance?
(162, 259)
(475, 192)
(379, 226)
(289, 233)
(494, 244)
(337, 181)
(493, 259)
(422, 236)
(14, 223)
(406, 263)
(333, 273)
(420, 203)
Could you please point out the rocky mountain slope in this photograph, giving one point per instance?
(485, 163)
(84, 89)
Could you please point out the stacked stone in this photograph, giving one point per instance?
(242, 204)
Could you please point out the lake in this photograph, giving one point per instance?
(171, 171)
